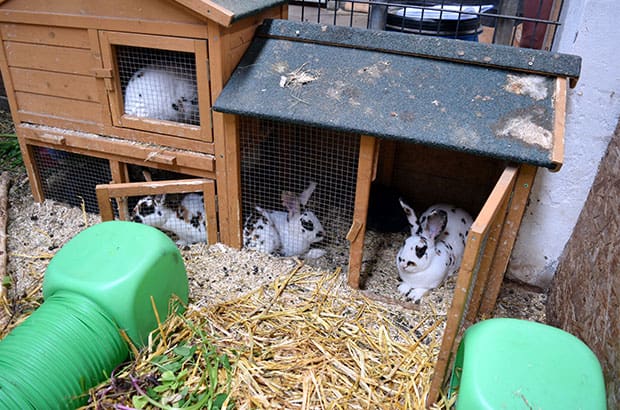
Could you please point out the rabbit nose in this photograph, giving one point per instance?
(411, 264)
(137, 218)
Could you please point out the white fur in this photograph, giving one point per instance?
(162, 93)
(433, 251)
(187, 221)
(296, 229)
(260, 234)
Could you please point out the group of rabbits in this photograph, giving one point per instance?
(433, 250)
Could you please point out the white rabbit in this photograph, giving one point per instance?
(260, 234)
(286, 233)
(162, 93)
(186, 220)
(434, 250)
(298, 227)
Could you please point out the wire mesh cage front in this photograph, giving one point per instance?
(71, 178)
(158, 84)
(298, 189)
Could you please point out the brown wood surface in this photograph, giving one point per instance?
(70, 86)
(45, 35)
(467, 277)
(366, 171)
(557, 154)
(187, 162)
(518, 203)
(105, 192)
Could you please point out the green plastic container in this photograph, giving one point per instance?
(517, 364)
(105, 279)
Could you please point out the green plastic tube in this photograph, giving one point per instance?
(105, 279)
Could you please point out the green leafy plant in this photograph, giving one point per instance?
(10, 155)
(189, 378)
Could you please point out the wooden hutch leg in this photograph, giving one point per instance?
(366, 169)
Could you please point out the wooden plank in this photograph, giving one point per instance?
(75, 87)
(204, 94)
(34, 177)
(518, 203)
(55, 36)
(472, 261)
(147, 10)
(59, 107)
(504, 29)
(105, 204)
(182, 186)
(366, 168)
(557, 153)
(497, 206)
(120, 174)
(128, 24)
(208, 8)
(104, 147)
(150, 41)
(50, 58)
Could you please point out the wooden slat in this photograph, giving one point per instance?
(104, 147)
(148, 10)
(76, 87)
(50, 58)
(366, 168)
(471, 261)
(34, 177)
(204, 93)
(518, 203)
(59, 107)
(128, 24)
(500, 198)
(120, 174)
(557, 153)
(182, 186)
(55, 36)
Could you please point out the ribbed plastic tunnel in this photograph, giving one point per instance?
(65, 347)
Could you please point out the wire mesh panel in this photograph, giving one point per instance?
(298, 189)
(158, 84)
(522, 23)
(183, 209)
(71, 178)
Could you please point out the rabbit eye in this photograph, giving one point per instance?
(307, 225)
(420, 251)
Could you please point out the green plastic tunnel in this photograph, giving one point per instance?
(103, 280)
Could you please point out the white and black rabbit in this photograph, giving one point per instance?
(434, 250)
(260, 233)
(162, 93)
(297, 228)
(185, 219)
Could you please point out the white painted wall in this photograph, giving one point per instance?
(590, 29)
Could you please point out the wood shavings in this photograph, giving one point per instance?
(337, 337)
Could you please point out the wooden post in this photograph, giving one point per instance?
(366, 168)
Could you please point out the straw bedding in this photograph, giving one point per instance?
(295, 336)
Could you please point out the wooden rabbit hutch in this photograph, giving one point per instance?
(438, 119)
(73, 70)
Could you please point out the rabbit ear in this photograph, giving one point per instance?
(291, 203)
(435, 223)
(160, 199)
(411, 216)
(305, 196)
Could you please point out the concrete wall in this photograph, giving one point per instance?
(590, 29)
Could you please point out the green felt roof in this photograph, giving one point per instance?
(478, 98)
